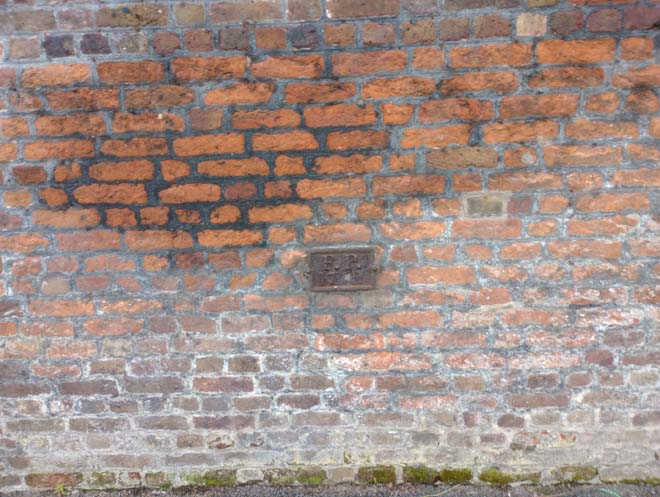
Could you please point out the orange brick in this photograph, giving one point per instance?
(519, 131)
(55, 75)
(66, 149)
(575, 51)
(446, 275)
(292, 66)
(279, 213)
(252, 119)
(85, 124)
(70, 218)
(318, 92)
(613, 202)
(339, 115)
(234, 167)
(449, 109)
(497, 81)
(157, 240)
(408, 185)
(240, 93)
(493, 54)
(135, 147)
(487, 228)
(229, 238)
(337, 233)
(282, 142)
(208, 68)
(328, 188)
(137, 170)
(567, 77)
(352, 164)
(403, 86)
(348, 64)
(224, 143)
(147, 122)
(458, 134)
(346, 140)
(144, 71)
(563, 104)
(188, 193)
(419, 230)
(585, 129)
(123, 193)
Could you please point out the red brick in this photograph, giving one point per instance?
(61, 308)
(403, 86)
(112, 327)
(328, 188)
(157, 240)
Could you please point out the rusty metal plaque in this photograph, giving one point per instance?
(342, 269)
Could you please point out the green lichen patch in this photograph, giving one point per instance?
(280, 477)
(496, 477)
(311, 476)
(214, 478)
(102, 479)
(419, 475)
(575, 474)
(455, 476)
(377, 475)
(157, 480)
(641, 481)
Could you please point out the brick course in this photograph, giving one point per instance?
(165, 166)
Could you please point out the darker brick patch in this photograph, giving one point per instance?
(305, 36)
(94, 43)
(59, 46)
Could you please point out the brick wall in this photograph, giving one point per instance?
(166, 166)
